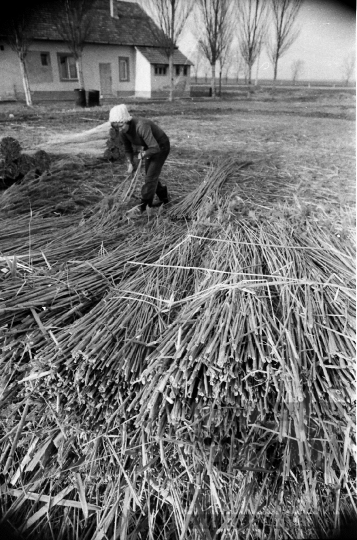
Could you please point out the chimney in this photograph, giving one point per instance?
(113, 9)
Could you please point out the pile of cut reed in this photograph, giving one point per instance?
(197, 380)
(62, 190)
(91, 142)
(15, 165)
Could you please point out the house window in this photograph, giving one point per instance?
(67, 67)
(177, 71)
(123, 68)
(160, 70)
(45, 59)
(185, 70)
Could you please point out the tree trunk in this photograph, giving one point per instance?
(275, 69)
(79, 65)
(257, 71)
(220, 83)
(171, 76)
(213, 79)
(250, 74)
(25, 81)
(171, 57)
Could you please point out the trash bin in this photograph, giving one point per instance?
(80, 95)
(93, 98)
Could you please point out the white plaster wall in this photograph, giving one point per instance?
(93, 55)
(143, 76)
(159, 82)
(162, 82)
(10, 76)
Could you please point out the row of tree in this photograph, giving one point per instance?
(230, 31)
(252, 23)
(235, 70)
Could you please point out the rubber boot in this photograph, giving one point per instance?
(162, 193)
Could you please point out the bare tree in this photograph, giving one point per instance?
(197, 60)
(216, 22)
(74, 23)
(225, 60)
(206, 70)
(252, 29)
(227, 67)
(171, 17)
(297, 67)
(262, 43)
(348, 67)
(284, 13)
(18, 36)
(238, 62)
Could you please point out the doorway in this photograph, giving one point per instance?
(105, 76)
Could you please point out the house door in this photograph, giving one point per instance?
(105, 75)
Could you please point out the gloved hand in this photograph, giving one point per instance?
(130, 168)
(141, 154)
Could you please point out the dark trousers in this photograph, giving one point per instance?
(152, 185)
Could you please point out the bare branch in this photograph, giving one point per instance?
(171, 17)
(348, 67)
(297, 67)
(284, 14)
(252, 22)
(216, 30)
(74, 23)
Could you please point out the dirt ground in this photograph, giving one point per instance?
(304, 137)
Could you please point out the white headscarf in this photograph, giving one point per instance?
(119, 113)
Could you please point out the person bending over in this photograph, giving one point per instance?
(140, 132)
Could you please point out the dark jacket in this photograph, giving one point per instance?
(143, 133)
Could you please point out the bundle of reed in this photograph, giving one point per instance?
(26, 235)
(55, 298)
(15, 165)
(124, 326)
(10, 152)
(40, 237)
(91, 142)
(215, 178)
(41, 161)
(52, 191)
(10, 149)
(115, 149)
(199, 357)
(214, 368)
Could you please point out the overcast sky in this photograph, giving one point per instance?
(327, 36)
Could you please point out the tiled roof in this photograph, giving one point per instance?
(132, 27)
(155, 56)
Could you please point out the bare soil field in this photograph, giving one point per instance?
(189, 374)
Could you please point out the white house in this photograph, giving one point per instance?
(121, 57)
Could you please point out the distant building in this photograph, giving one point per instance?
(121, 58)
